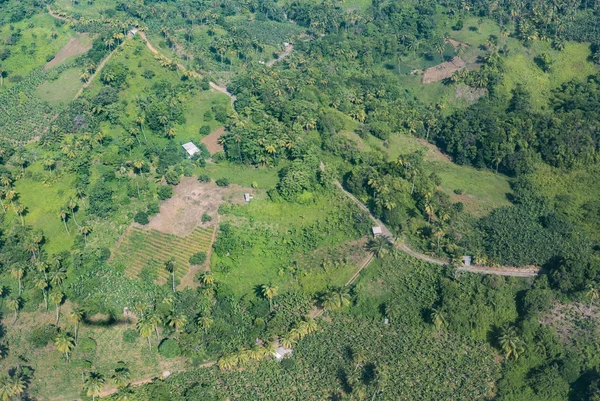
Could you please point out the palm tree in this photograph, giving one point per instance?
(205, 322)
(11, 387)
(42, 284)
(63, 214)
(170, 267)
(64, 343)
(227, 362)
(156, 320)
(380, 246)
(207, 278)
(19, 209)
(438, 319)
(56, 297)
(17, 272)
(72, 205)
(511, 343)
(287, 340)
(146, 327)
(93, 385)
(85, 230)
(269, 291)
(121, 377)
(592, 294)
(75, 317)
(13, 305)
(125, 395)
(336, 299)
(178, 321)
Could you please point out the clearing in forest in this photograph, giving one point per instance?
(74, 47)
(212, 141)
(443, 70)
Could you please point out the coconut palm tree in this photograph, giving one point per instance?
(592, 294)
(205, 322)
(207, 278)
(11, 386)
(13, 305)
(146, 328)
(19, 209)
(72, 205)
(17, 272)
(170, 267)
(85, 230)
(380, 246)
(42, 284)
(438, 319)
(56, 297)
(336, 299)
(63, 214)
(64, 343)
(121, 377)
(178, 321)
(75, 317)
(288, 340)
(269, 291)
(511, 343)
(93, 385)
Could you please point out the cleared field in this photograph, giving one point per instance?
(62, 90)
(141, 248)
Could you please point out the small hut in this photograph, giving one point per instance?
(377, 231)
(466, 260)
(190, 148)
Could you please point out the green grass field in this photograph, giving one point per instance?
(62, 90)
(194, 115)
(265, 178)
(43, 203)
(33, 45)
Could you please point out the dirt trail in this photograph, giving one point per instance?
(286, 52)
(213, 85)
(500, 270)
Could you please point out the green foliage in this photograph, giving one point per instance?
(222, 182)
(141, 217)
(87, 345)
(206, 218)
(198, 258)
(130, 336)
(169, 348)
(164, 192)
(40, 336)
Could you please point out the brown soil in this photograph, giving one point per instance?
(443, 70)
(212, 141)
(568, 320)
(471, 95)
(182, 213)
(456, 43)
(74, 47)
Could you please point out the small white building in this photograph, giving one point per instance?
(190, 148)
(466, 260)
(282, 352)
(133, 32)
(377, 231)
(247, 197)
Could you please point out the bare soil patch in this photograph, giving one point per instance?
(212, 141)
(456, 43)
(443, 70)
(573, 320)
(74, 47)
(470, 94)
(182, 213)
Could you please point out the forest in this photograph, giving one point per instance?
(383, 200)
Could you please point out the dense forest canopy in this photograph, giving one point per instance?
(313, 121)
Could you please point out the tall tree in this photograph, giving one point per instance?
(64, 343)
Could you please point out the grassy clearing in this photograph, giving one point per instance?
(61, 90)
(149, 249)
(43, 203)
(57, 380)
(270, 232)
(265, 178)
(32, 45)
(86, 8)
(194, 115)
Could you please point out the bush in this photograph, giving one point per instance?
(222, 182)
(130, 336)
(148, 74)
(219, 157)
(141, 218)
(204, 178)
(42, 335)
(169, 348)
(206, 218)
(172, 177)
(164, 192)
(204, 130)
(87, 345)
(198, 258)
(153, 208)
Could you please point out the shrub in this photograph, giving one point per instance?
(208, 116)
(459, 191)
(206, 218)
(164, 192)
(222, 182)
(198, 258)
(204, 178)
(130, 336)
(141, 218)
(148, 74)
(87, 345)
(42, 335)
(204, 130)
(219, 157)
(169, 348)
(172, 177)
(153, 208)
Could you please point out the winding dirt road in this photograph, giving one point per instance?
(500, 270)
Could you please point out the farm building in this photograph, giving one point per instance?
(377, 231)
(190, 148)
(282, 352)
(466, 260)
(247, 197)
